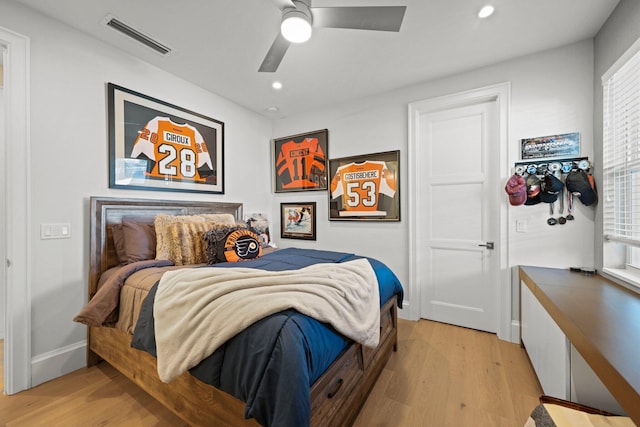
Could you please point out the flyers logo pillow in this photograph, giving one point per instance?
(241, 244)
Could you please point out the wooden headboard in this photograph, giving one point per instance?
(106, 211)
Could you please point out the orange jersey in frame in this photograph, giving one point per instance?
(301, 164)
(360, 185)
(179, 151)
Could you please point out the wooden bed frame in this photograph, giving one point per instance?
(336, 397)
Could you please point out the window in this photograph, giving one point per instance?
(621, 167)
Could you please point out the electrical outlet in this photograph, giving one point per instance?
(521, 226)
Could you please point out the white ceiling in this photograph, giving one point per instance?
(219, 44)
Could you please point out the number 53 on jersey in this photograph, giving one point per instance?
(365, 187)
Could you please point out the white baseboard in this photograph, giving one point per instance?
(405, 312)
(515, 331)
(56, 363)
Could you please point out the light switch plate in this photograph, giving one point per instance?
(55, 231)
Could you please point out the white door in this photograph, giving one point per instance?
(458, 215)
(15, 217)
(2, 210)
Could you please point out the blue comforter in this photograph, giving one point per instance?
(272, 364)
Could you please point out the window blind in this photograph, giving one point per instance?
(621, 152)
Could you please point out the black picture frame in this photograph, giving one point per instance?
(298, 220)
(155, 145)
(365, 187)
(300, 162)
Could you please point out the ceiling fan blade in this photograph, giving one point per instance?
(378, 18)
(274, 55)
(281, 4)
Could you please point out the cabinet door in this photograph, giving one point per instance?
(546, 345)
(587, 389)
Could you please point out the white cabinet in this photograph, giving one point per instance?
(546, 345)
(560, 368)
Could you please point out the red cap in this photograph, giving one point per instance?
(516, 188)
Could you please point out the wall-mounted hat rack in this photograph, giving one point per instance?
(554, 166)
(539, 175)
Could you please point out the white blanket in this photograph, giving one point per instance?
(196, 310)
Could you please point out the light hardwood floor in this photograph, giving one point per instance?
(441, 376)
(444, 375)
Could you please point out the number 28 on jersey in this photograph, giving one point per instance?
(177, 152)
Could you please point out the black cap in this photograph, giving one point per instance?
(550, 189)
(581, 184)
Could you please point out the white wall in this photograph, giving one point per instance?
(551, 92)
(69, 163)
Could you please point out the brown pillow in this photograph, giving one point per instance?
(118, 242)
(139, 241)
(231, 244)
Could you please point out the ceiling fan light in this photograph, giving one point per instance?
(486, 11)
(296, 26)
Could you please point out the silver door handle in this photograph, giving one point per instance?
(488, 245)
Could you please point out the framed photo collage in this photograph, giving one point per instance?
(365, 187)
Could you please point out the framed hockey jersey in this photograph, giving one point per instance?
(154, 145)
(365, 187)
(300, 162)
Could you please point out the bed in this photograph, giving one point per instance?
(336, 394)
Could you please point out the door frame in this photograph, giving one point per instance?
(501, 94)
(15, 217)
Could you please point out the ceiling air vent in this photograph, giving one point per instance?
(129, 31)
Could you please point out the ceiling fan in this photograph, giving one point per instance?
(298, 17)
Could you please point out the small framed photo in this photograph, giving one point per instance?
(298, 221)
(365, 187)
(154, 145)
(300, 162)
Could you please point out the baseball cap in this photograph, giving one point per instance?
(581, 184)
(516, 188)
(550, 188)
(533, 190)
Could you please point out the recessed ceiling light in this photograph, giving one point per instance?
(273, 109)
(276, 85)
(486, 11)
